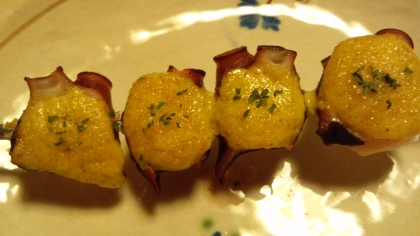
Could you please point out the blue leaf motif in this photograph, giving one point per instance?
(248, 3)
(270, 22)
(249, 21)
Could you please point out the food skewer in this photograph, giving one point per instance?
(367, 100)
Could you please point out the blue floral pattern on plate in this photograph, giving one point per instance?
(251, 21)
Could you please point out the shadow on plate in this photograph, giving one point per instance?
(247, 174)
(40, 187)
(324, 169)
(317, 167)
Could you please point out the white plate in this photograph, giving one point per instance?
(311, 190)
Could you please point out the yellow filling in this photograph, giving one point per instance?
(70, 135)
(168, 121)
(256, 123)
(386, 105)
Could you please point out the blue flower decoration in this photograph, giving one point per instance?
(251, 21)
(270, 22)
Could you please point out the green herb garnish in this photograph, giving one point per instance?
(111, 113)
(277, 92)
(150, 125)
(262, 103)
(357, 77)
(390, 81)
(389, 104)
(264, 93)
(237, 90)
(360, 68)
(236, 98)
(152, 107)
(408, 70)
(246, 113)
(116, 125)
(181, 92)
(60, 141)
(369, 86)
(51, 119)
(83, 126)
(165, 119)
(386, 78)
(271, 109)
(178, 125)
(373, 86)
(254, 95)
(160, 104)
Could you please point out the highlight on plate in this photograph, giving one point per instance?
(368, 99)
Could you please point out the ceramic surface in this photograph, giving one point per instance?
(311, 190)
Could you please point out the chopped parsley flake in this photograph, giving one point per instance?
(150, 124)
(181, 92)
(60, 141)
(277, 92)
(373, 86)
(390, 81)
(271, 109)
(246, 113)
(360, 68)
(152, 107)
(237, 90)
(261, 99)
(262, 103)
(408, 70)
(83, 126)
(264, 93)
(165, 119)
(386, 78)
(236, 98)
(389, 104)
(178, 125)
(116, 125)
(369, 86)
(256, 96)
(358, 78)
(51, 119)
(160, 104)
(111, 113)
